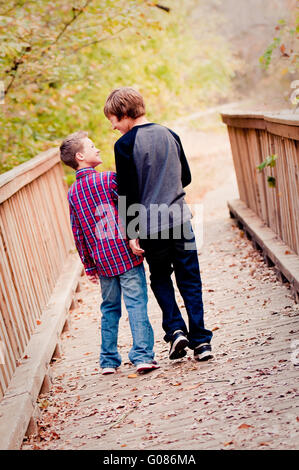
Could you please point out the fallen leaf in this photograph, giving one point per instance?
(132, 376)
(282, 49)
(54, 436)
(38, 322)
(192, 387)
(44, 404)
(268, 410)
(215, 328)
(229, 443)
(245, 426)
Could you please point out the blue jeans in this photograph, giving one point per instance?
(132, 285)
(168, 255)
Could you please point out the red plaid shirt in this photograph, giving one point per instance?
(95, 224)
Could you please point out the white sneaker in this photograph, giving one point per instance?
(108, 370)
(145, 367)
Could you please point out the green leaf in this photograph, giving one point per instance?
(269, 161)
(262, 166)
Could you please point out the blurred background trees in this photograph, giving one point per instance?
(281, 58)
(60, 59)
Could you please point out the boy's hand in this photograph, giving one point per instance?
(135, 247)
(93, 278)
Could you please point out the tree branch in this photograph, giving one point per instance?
(162, 7)
(13, 7)
(18, 62)
(80, 11)
(14, 67)
(96, 41)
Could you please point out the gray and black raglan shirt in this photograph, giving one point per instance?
(152, 171)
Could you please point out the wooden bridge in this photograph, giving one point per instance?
(41, 280)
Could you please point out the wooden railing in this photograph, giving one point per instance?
(254, 137)
(35, 241)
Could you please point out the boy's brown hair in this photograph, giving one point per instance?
(124, 101)
(70, 146)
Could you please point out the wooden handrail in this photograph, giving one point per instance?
(284, 125)
(35, 243)
(13, 180)
(253, 137)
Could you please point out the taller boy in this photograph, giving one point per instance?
(152, 170)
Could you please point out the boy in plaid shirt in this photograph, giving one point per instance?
(106, 254)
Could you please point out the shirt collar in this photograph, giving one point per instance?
(85, 172)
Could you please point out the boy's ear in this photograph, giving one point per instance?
(79, 156)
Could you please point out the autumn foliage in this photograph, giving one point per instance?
(60, 60)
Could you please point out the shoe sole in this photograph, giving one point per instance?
(205, 356)
(109, 372)
(178, 348)
(146, 369)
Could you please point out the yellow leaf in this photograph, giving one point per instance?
(44, 404)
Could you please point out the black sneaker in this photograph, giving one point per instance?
(178, 344)
(203, 352)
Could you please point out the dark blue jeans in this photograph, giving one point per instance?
(177, 254)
